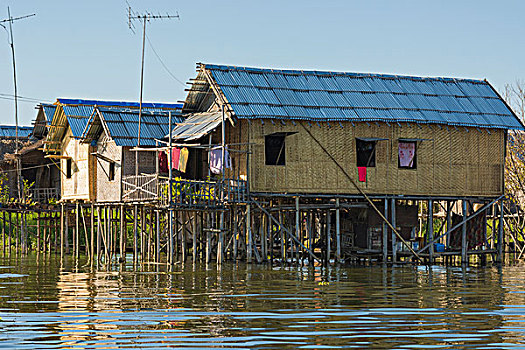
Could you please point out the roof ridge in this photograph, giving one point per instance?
(355, 74)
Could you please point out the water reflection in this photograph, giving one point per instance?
(45, 303)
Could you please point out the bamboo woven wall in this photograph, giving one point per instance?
(82, 184)
(452, 162)
(108, 190)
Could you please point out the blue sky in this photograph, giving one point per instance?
(84, 49)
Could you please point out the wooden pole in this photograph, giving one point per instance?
(135, 234)
(249, 249)
(328, 236)
(4, 240)
(194, 236)
(62, 224)
(338, 231)
(38, 233)
(157, 240)
(430, 228)
(99, 234)
(385, 234)
(297, 223)
(92, 232)
(393, 221)
(122, 234)
(501, 239)
(464, 234)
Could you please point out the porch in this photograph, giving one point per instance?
(185, 193)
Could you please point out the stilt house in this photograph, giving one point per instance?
(77, 160)
(325, 135)
(114, 131)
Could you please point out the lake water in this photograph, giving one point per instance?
(47, 305)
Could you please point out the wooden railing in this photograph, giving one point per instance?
(44, 195)
(140, 188)
(204, 193)
(185, 193)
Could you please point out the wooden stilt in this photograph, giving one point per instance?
(385, 234)
(122, 229)
(394, 238)
(464, 234)
(194, 236)
(92, 233)
(430, 228)
(135, 235)
(99, 234)
(249, 248)
(328, 236)
(157, 236)
(338, 231)
(501, 239)
(38, 233)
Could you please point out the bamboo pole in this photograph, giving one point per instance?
(99, 234)
(501, 242)
(338, 230)
(92, 232)
(464, 234)
(194, 237)
(135, 233)
(328, 236)
(385, 234)
(38, 233)
(122, 219)
(430, 228)
(157, 240)
(249, 248)
(394, 236)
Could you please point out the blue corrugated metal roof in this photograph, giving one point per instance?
(122, 125)
(70, 101)
(311, 95)
(9, 131)
(49, 112)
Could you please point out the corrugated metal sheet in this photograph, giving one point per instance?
(49, 111)
(122, 125)
(70, 101)
(196, 126)
(311, 95)
(9, 131)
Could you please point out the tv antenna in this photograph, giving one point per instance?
(10, 20)
(144, 18)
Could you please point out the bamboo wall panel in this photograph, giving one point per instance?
(107, 190)
(450, 161)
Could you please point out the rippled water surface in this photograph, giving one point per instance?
(46, 304)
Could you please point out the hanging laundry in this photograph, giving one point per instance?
(361, 172)
(183, 159)
(407, 152)
(175, 155)
(215, 159)
(163, 162)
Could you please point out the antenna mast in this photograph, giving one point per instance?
(10, 20)
(144, 18)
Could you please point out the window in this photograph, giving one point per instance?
(407, 155)
(274, 149)
(111, 173)
(366, 153)
(69, 168)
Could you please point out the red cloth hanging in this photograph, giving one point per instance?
(361, 171)
(163, 162)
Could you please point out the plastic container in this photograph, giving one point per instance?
(439, 248)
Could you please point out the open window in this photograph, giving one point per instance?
(274, 149)
(407, 154)
(366, 152)
(111, 172)
(69, 168)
